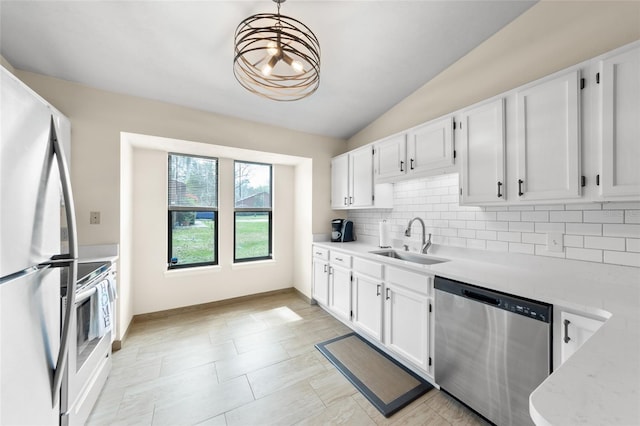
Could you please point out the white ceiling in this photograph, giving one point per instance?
(374, 53)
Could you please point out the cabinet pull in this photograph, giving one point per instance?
(325, 267)
(339, 259)
(520, 182)
(350, 200)
(412, 164)
(499, 189)
(566, 331)
(378, 288)
(345, 201)
(330, 269)
(388, 296)
(401, 166)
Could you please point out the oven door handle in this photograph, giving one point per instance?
(84, 295)
(65, 179)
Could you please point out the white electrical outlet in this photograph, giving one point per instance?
(94, 218)
(555, 242)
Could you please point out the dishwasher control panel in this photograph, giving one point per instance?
(530, 308)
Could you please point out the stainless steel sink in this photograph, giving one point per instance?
(409, 257)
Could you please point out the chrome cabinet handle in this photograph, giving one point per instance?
(378, 288)
(402, 166)
(499, 189)
(345, 201)
(411, 164)
(388, 296)
(325, 267)
(350, 200)
(339, 259)
(566, 331)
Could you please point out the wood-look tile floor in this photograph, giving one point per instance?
(247, 363)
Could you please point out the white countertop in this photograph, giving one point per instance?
(599, 384)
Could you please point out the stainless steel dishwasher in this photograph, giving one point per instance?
(491, 349)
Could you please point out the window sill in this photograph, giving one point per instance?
(196, 270)
(253, 264)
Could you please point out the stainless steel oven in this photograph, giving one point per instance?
(89, 359)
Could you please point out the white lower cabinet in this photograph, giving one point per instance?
(320, 288)
(366, 298)
(340, 291)
(406, 324)
(576, 330)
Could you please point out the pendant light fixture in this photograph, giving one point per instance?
(276, 56)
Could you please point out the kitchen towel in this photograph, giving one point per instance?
(384, 232)
(100, 322)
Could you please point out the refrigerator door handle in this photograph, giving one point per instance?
(65, 179)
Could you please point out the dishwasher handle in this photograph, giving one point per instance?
(480, 297)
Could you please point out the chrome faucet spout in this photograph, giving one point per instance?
(425, 244)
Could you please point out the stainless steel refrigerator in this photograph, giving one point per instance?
(37, 239)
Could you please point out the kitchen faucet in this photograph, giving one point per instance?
(425, 244)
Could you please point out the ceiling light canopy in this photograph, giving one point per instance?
(276, 57)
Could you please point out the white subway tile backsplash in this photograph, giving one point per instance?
(508, 216)
(584, 229)
(488, 235)
(565, 216)
(605, 243)
(593, 232)
(521, 226)
(584, 254)
(574, 241)
(533, 238)
(621, 230)
(549, 227)
(622, 258)
(603, 216)
(535, 216)
(633, 244)
(497, 226)
(632, 216)
(514, 237)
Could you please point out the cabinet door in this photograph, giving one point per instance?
(483, 160)
(361, 177)
(340, 182)
(620, 126)
(340, 292)
(576, 330)
(390, 157)
(367, 305)
(548, 132)
(430, 146)
(406, 324)
(321, 281)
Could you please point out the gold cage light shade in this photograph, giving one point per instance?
(276, 57)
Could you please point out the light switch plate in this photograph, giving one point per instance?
(555, 242)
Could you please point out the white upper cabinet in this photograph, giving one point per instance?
(352, 185)
(340, 181)
(390, 158)
(548, 139)
(430, 146)
(619, 131)
(361, 177)
(482, 177)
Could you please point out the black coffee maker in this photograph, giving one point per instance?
(342, 231)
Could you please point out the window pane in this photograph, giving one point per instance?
(252, 235)
(253, 185)
(193, 181)
(193, 237)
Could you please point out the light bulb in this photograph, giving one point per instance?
(296, 65)
(272, 48)
(268, 67)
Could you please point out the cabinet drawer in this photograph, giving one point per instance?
(367, 267)
(411, 280)
(320, 253)
(339, 258)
